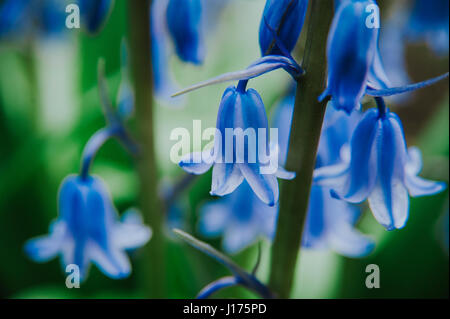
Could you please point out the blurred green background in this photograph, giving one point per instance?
(49, 107)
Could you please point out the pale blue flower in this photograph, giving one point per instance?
(88, 230)
(379, 168)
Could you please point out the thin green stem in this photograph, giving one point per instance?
(306, 126)
(152, 268)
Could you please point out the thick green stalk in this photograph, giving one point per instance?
(306, 126)
(152, 268)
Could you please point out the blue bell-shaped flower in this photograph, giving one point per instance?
(13, 15)
(283, 18)
(94, 14)
(429, 21)
(241, 148)
(352, 53)
(241, 217)
(379, 168)
(88, 230)
(184, 24)
(330, 225)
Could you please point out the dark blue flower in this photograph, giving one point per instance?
(379, 168)
(88, 230)
(353, 57)
(184, 24)
(283, 18)
(13, 16)
(94, 13)
(234, 159)
(429, 21)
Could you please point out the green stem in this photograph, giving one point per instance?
(305, 133)
(152, 269)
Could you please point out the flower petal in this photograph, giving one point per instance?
(390, 206)
(265, 186)
(389, 200)
(213, 218)
(418, 186)
(131, 233)
(225, 179)
(190, 162)
(44, 248)
(349, 242)
(355, 183)
(112, 262)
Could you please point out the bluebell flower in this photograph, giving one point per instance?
(429, 21)
(330, 225)
(353, 58)
(241, 218)
(88, 230)
(241, 111)
(184, 24)
(24, 17)
(94, 14)
(283, 18)
(13, 16)
(48, 17)
(378, 167)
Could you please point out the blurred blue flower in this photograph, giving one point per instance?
(353, 58)
(330, 225)
(241, 218)
(379, 167)
(24, 17)
(241, 111)
(283, 18)
(94, 13)
(48, 17)
(184, 24)
(88, 230)
(429, 21)
(12, 16)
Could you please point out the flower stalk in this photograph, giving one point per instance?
(152, 268)
(306, 127)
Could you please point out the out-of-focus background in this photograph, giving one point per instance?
(49, 107)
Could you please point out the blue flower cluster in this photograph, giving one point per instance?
(361, 155)
(88, 228)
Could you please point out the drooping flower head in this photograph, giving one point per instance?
(241, 148)
(184, 24)
(88, 230)
(330, 223)
(241, 217)
(352, 54)
(283, 18)
(379, 168)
